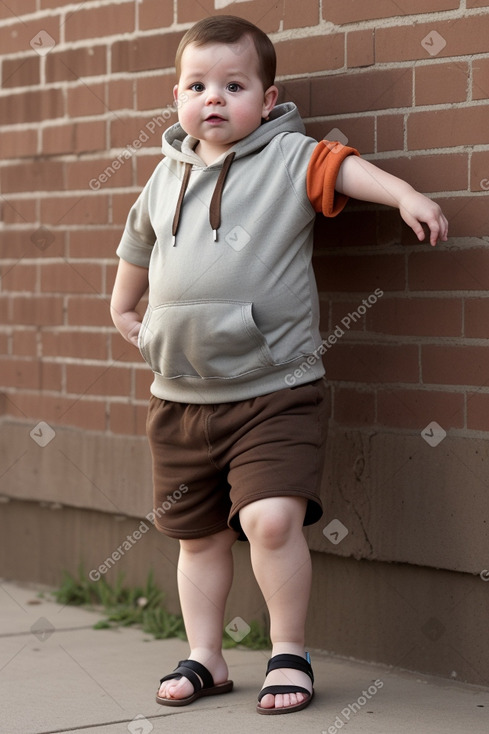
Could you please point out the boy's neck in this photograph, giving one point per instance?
(210, 153)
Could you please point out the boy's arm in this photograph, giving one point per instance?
(131, 283)
(362, 180)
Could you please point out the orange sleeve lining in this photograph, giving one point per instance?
(322, 172)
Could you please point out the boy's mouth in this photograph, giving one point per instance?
(215, 118)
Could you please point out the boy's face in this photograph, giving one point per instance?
(225, 99)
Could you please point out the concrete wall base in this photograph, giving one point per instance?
(410, 617)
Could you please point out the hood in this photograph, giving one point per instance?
(178, 146)
(284, 118)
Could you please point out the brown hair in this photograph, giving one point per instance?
(231, 29)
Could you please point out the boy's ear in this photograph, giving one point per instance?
(270, 100)
(175, 92)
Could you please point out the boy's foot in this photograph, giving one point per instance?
(291, 678)
(179, 689)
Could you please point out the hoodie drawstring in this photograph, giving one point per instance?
(215, 206)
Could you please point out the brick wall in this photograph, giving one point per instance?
(85, 95)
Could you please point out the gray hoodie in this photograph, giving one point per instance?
(233, 308)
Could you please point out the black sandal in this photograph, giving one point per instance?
(199, 677)
(294, 662)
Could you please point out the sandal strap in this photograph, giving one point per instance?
(191, 670)
(295, 662)
(274, 690)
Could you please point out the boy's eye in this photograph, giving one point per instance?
(234, 87)
(197, 87)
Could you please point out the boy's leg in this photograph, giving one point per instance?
(282, 566)
(205, 571)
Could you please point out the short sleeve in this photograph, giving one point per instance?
(138, 238)
(322, 172)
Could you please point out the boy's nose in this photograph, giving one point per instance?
(214, 97)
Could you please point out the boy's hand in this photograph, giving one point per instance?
(129, 325)
(415, 208)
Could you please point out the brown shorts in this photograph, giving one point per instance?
(209, 461)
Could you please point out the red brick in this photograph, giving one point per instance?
(79, 137)
(478, 411)
(86, 100)
(74, 344)
(479, 171)
(41, 310)
(353, 407)
(300, 15)
(390, 132)
(360, 131)
(428, 173)
(17, 8)
(71, 278)
(455, 365)
(18, 143)
(105, 21)
(102, 243)
(121, 94)
(4, 350)
(266, 14)
(96, 174)
(24, 342)
(104, 380)
(156, 92)
(16, 37)
(155, 14)
(480, 78)
(88, 311)
(416, 316)
(361, 91)
(136, 132)
(32, 106)
(21, 373)
(19, 211)
(51, 376)
(477, 4)
(431, 83)
(449, 270)
(297, 91)
(415, 409)
(463, 36)
(121, 203)
(372, 363)
(476, 318)
(16, 244)
(38, 175)
(149, 52)
(314, 53)
(74, 64)
(143, 380)
(360, 273)
(448, 128)
(20, 278)
(360, 48)
(342, 310)
(145, 165)
(339, 11)
(85, 209)
(21, 72)
(468, 216)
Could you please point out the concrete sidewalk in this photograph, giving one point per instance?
(57, 674)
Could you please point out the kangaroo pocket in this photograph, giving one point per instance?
(208, 339)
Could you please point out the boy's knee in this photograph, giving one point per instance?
(272, 522)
